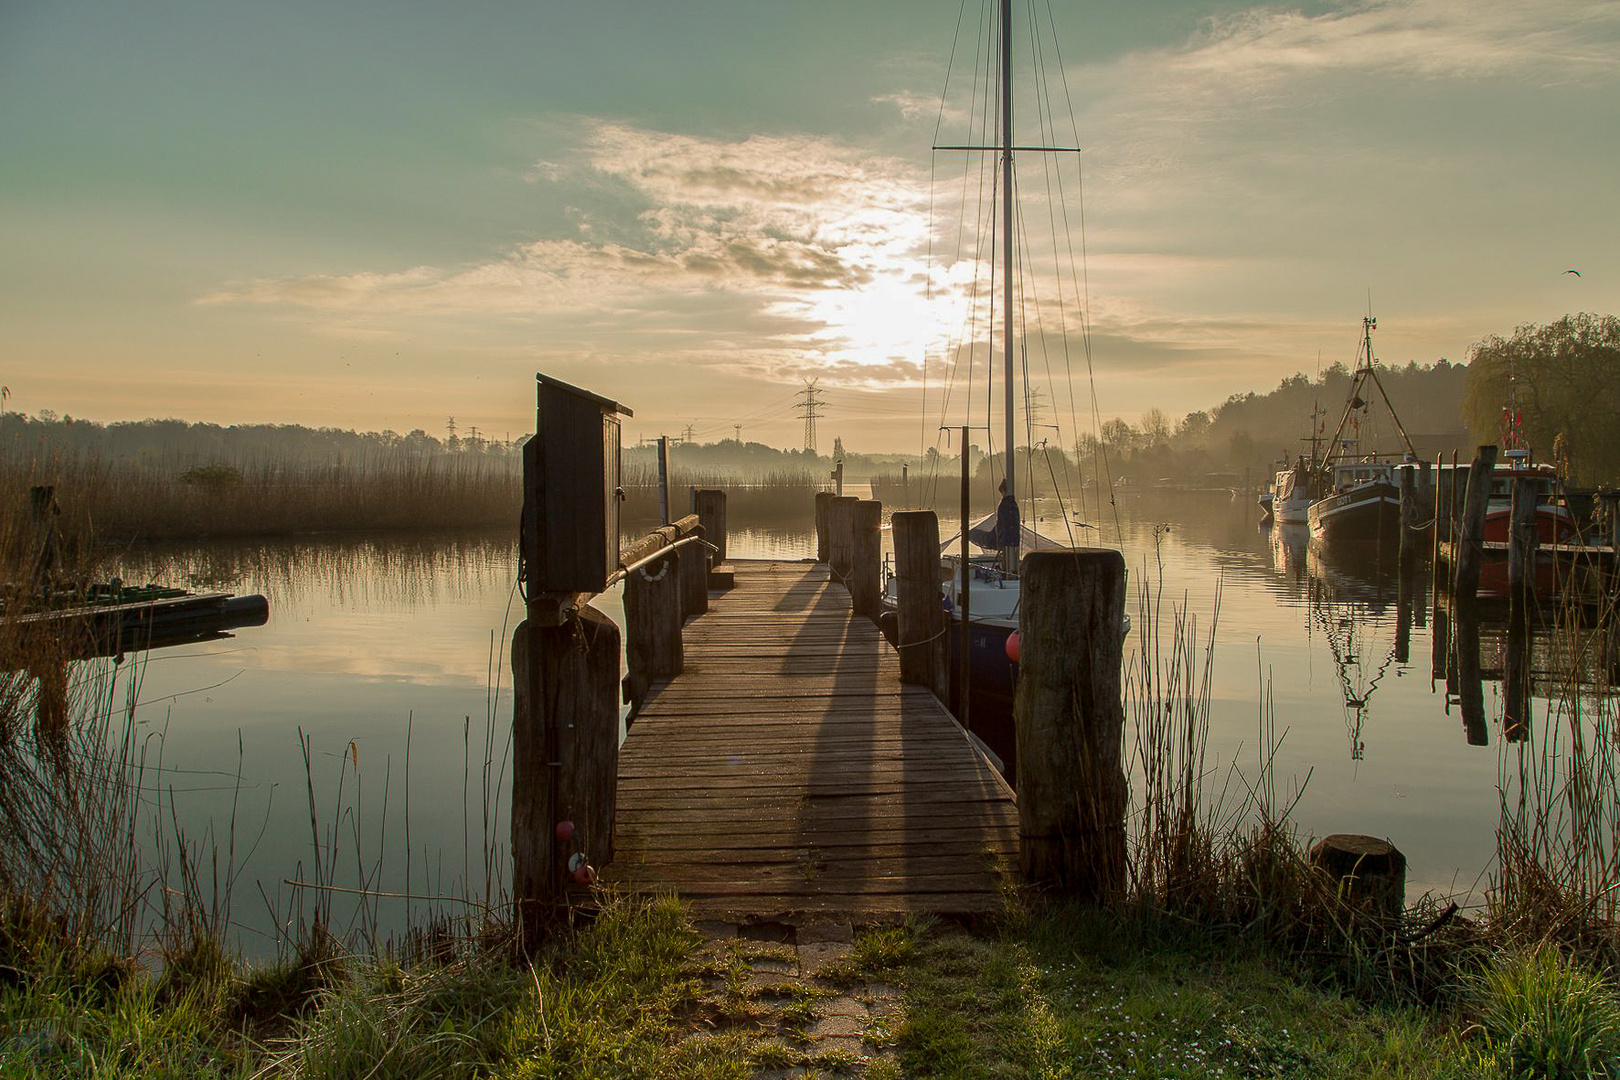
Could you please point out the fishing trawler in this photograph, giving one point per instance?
(1361, 503)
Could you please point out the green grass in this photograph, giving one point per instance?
(1546, 1016)
(1082, 994)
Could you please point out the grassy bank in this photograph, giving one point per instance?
(636, 991)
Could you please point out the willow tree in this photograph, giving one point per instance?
(1565, 378)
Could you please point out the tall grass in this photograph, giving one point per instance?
(1558, 838)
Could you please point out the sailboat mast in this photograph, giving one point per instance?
(1007, 231)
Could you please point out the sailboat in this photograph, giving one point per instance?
(982, 590)
(1362, 501)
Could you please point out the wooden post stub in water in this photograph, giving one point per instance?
(920, 623)
(565, 755)
(694, 569)
(652, 616)
(1070, 719)
(709, 504)
(866, 557)
(1471, 529)
(840, 538)
(1369, 873)
(823, 539)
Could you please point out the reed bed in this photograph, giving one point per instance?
(122, 502)
(786, 496)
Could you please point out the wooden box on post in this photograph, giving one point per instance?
(565, 657)
(571, 491)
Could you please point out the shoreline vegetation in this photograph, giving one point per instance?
(1229, 955)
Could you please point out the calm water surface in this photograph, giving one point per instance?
(380, 685)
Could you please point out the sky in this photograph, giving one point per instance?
(371, 215)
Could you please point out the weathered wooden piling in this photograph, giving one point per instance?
(921, 622)
(694, 568)
(1411, 517)
(663, 479)
(823, 536)
(652, 614)
(1442, 506)
(1522, 543)
(709, 504)
(840, 536)
(866, 558)
(1070, 720)
(565, 755)
(1470, 544)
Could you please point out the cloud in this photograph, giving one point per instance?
(744, 238)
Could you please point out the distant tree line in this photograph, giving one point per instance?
(1565, 377)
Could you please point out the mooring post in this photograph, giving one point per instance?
(652, 616)
(920, 623)
(1522, 543)
(1471, 532)
(694, 568)
(664, 507)
(1442, 521)
(840, 536)
(709, 504)
(823, 535)
(1070, 720)
(866, 558)
(565, 756)
(1411, 517)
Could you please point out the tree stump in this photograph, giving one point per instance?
(1370, 873)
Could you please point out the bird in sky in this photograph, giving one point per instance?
(1577, 273)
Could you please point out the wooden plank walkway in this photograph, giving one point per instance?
(787, 770)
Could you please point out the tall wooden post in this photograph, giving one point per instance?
(823, 525)
(921, 626)
(1471, 531)
(565, 762)
(709, 504)
(1443, 478)
(1411, 517)
(840, 520)
(866, 558)
(838, 478)
(694, 568)
(663, 480)
(1522, 543)
(1070, 718)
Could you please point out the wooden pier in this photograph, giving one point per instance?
(787, 769)
(781, 760)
